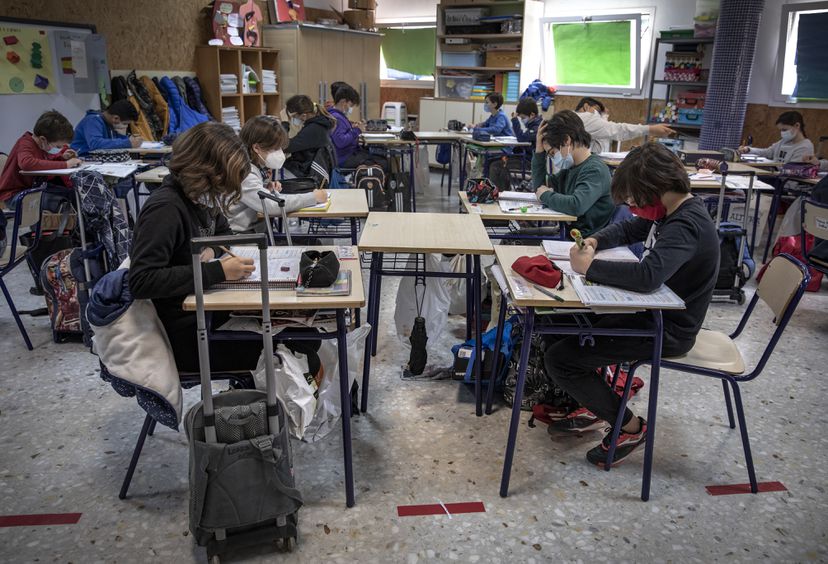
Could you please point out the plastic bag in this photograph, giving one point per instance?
(435, 301)
(422, 175)
(291, 388)
(328, 406)
(456, 287)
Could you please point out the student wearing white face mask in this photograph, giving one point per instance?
(581, 187)
(603, 131)
(793, 146)
(107, 129)
(316, 125)
(265, 139)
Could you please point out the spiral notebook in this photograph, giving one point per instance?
(282, 268)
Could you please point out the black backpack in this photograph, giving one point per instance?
(399, 188)
(730, 274)
(371, 178)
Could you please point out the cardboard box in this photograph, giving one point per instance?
(504, 59)
(362, 4)
(360, 19)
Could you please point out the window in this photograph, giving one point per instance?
(601, 53)
(803, 43)
(407, 53)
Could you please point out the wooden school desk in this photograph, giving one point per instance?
(152, 176)
(150, 154)
(350, 204)
(251, 300)
(421, 233)
(393, 147)
(484, 148)
(494, 213)
(506, 256)
(440, 137)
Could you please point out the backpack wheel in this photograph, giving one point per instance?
(290, 543)
(214, 559)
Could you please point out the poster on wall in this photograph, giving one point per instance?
(76, 66)
(25, 61)
(236, 23)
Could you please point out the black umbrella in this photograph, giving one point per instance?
(419, 354)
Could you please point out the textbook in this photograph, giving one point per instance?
(609, 296)
(342, 287)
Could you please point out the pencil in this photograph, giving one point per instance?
(544, 291)
(226, 250)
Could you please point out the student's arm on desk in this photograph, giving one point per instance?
(496, 125)
(767, 153)
(250, 197)
(676, 245)
(585, 194)
(159, 231)
(633, 230)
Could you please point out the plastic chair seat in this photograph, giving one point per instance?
(6, 258)
(713, 350)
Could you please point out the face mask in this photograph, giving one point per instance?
(296, 121)
(787, 134)
(121, 128)
(350, 110)
(487, 108)
(562, 162)
(275, 159)
(652, 212)
(523, 121)
(54, 150)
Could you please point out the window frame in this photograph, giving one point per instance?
(637, 59)
(414, 23)
(785, 30)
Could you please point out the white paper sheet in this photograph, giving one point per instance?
(519, 196)
(79, 64)
(152, 145)
(559, 250)
(516, 207)
(277, 258)
(611, 156)
(609, 296)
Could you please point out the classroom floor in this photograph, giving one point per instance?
(66, 438)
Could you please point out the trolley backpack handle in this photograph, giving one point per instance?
(264, 194)
(197, 244)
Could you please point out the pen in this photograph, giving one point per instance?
(226, 250)
(546, 292)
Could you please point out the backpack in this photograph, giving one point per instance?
(443, 153)
(371, 178)
(540, 92)
(730, 239)
(399, 188)
(792, 245)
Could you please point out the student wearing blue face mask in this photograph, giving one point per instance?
(581, 185)
(793, 146)
(526, 120)
(345, 135)
(497, 124)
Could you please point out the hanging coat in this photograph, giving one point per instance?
(144, 99)
(159, 104)
(185, 116)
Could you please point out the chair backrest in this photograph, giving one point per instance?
(782, 284)
(26, 215)
(815, 218)
(3, 159)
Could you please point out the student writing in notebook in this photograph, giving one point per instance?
(793, 145)
(682, 252)
(207, 168)
(265, 140)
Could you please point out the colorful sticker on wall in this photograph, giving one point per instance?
(25, 61)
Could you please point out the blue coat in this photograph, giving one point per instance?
(182, 116)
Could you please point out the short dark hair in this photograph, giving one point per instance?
(54, 126)
(791, 118)
(566, 125)
(527, 106)
(496, 98)
(647, 172)
(592, 102)
(123, 109)
(336, 86)
(346, 93)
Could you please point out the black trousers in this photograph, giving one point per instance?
(575, 368)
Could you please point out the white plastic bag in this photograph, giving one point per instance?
(456, 287)
(435, 301)
(291, 388)
(328, 406)
(422, 175)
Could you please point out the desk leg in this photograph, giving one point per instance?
(478, 333)
(463, 153)
(528, 327)
(469, 298)
(411, 179)
(345, 399)
(451, 158)
(651, 411)
(501, 319)
(774, 208)
(377, 300)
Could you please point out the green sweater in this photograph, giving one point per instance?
(582, 191)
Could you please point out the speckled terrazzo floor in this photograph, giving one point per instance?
(66, 439)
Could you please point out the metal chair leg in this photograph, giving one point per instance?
(740, 413)
(148, 420)
(728, 404)
(16, 315)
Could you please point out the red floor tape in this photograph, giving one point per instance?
(745, 488)
(39, 520)
(437, 509)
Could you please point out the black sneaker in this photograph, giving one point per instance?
(627, 444)
(580, 421)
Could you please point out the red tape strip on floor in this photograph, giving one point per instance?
(437, 509)
(39, 520)
(745, 488)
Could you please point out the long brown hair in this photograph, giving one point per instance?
(301, 104)
(265, 131)
(210, 162)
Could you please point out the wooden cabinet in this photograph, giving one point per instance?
(212, 62)
(312, 57)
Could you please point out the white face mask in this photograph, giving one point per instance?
(523, 121)
(350, 110)
(275, 159)
(787, 134)
(121, 128)
(296, 121)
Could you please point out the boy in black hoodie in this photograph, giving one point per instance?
(682, 252)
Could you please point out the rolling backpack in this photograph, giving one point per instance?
(730, 273)
(371, 178)
(399, 186)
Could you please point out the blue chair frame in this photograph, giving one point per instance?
(728, 380)
(20, 219)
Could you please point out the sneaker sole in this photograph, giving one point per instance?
(598, 425)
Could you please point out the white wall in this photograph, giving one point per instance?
(392, 11)
(762, 80)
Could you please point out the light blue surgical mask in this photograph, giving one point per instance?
(296, 121)
(54, 150)
(559, 162)
(350, 110)
(787, 134)
(487, 108)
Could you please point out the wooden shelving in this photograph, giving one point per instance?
(478, 69)
(487, 36)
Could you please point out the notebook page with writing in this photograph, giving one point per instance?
(559, 250)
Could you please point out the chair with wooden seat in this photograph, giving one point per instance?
(26, 216)
(716, 355)
(814, 222)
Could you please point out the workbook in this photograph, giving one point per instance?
(323, 206)
(559, 250)
(282, 268)
(342, 287)
(530, 197)
(593, 295)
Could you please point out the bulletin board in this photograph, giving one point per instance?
(25, 60)
(21, 110)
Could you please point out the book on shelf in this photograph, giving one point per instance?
(341, 287)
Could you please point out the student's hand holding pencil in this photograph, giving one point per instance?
(580, 258)
(236, 268)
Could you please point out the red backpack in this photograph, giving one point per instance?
(792, 245)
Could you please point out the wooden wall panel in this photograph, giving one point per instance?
(140, 34)
(411, 97)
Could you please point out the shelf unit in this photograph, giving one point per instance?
(673, 85)
(211, 62)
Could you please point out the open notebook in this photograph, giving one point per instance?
(282, 268)
(559, 250)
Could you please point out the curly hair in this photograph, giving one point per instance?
(210, 162)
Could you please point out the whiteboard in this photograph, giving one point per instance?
(20, 111)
